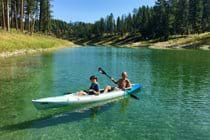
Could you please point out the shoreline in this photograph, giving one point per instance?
(33, 51)
(193, 41)
(15, 43)
(196, 42)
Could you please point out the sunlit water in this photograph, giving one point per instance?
(174, 101)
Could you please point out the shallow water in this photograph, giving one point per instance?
(174, 101)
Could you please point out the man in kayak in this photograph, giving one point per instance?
(122, 83)
(93, 89)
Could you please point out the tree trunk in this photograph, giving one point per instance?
(8, 20)
(3, 16)
(32, 26)
(29, 24)
(15, 14)
(21, 16)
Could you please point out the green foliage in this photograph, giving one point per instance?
(195, 15)
(165, 18)
(206, 16)
(145, 19)
(181, 17)
(110, 23)
(60, 29)
(0, 12)
(36, 14)
(45, 16)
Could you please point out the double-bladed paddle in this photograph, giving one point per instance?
(100, 70)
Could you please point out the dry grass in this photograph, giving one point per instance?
(190, 41)
(13, 41)
(201, 41)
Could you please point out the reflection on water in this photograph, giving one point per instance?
(73, 114)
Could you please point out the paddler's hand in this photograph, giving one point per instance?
(123, 89)
(96, 93)
(113, 80)
(91, 90)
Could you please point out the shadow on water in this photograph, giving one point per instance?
(90, 111)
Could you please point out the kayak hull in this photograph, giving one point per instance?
(73, 99)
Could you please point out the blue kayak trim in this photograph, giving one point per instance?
(134, 88)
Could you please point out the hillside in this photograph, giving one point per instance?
(16, 43)
(194, 41)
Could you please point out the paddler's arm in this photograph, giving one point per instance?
(128, 86)
(113, 80)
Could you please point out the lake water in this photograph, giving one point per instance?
(174, 101)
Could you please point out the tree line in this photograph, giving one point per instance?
(165, 18)
(28, 15)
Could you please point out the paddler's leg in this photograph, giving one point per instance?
(107, 88)
(80, 93)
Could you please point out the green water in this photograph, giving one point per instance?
(174, 101)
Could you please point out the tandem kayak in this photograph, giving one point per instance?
(73, 99)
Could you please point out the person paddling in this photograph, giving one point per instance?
(122, 83)
(93, 89)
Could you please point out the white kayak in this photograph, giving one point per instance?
(72, 99)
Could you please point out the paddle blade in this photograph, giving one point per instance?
(101, 70)
(135, 97)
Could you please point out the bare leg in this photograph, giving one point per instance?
(80, 93)
(107, 88)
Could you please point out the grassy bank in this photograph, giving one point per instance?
(12, 43)
(194, 41)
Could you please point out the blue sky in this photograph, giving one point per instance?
(92, 10)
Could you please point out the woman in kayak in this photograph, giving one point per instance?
(122, 83)
(93, 89)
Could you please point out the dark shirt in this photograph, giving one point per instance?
(94, 86)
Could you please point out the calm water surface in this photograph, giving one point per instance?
(174, 102)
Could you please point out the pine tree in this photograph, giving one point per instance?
(14, 18)
(45, 16)
(172, 15)
(199, 14)
(195, 15)
(102, 26)
(1, 18)
(134, 19)
(31, 14)
(161, 17)
(110, 23)
(138, 19)
(119, 26)
(7, 2)
(129, 23)
(124, 24)
(206, 16)
(21, 15)
(145, 22)
(181, 17)
(3, 14)
(96, 29)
